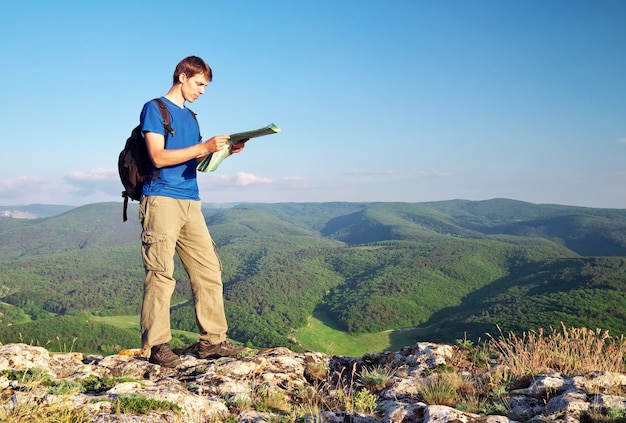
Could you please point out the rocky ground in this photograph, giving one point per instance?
(278, 385)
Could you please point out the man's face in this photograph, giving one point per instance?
(193, 87)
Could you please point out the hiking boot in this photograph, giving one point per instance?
(223, 349)
(163, 355)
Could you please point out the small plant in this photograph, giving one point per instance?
(239, 403)
(272, 400)
(343, 400)
(472, 404)
(602, 415)
(481, 355)
(376, 379)
(470, 357)
(140, 404)
(365, 402)
(445, 368)
(101, 384)
(315, 371)
(440, 388)
(498, 406)
(64, 387)
(305, 394)
(29, 376)
(464, 344)
(310, 401)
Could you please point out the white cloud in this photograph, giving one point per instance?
(76, 187)
(26, 185)
(622, 140)
(93, 175)
(16, 184)
(244, 179)
(93, 181)
(223, 182)
(29, 190)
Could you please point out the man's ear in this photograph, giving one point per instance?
(182, 78)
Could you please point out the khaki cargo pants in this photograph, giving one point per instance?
(169, 226)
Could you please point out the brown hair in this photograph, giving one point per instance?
(191, 66)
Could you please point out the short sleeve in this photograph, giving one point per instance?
(151, 119)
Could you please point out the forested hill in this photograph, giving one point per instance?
(434, 271)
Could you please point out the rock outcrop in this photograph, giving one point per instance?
(278, 385)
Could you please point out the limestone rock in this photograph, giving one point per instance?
(284, 381)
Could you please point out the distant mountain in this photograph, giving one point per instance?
(79, 228)
(33, 211)
(426, 271)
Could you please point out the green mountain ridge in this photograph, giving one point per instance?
(448, 270)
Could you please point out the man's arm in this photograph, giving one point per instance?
(162, 157)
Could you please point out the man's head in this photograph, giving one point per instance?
(191, 75)
(192, 66)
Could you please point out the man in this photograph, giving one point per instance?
(172, 221)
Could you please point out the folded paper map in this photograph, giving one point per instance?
(213, 160)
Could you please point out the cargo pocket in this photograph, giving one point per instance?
(219, 262)
(152, 251)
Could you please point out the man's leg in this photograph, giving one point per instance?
(161, 219)
(197, 253)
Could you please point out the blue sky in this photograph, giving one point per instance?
(377, 101)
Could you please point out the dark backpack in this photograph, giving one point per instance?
(134, 163)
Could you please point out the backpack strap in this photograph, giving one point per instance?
(125, 208)
(165, 115)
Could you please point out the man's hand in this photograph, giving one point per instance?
(215, 144)
(238, 146)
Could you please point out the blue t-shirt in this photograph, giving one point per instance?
(177, 181)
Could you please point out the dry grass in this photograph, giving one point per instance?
(42, 412)
(571, 351)
(491, 370)
(442, 388)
